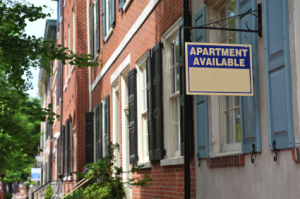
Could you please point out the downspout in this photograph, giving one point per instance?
(187, 112)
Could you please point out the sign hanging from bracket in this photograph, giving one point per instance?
(218, 69)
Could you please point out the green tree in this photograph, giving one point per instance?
(49, 192)
(18, 54)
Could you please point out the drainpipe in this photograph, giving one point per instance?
(89, 51)
(187, 112)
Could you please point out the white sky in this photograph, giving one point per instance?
(37, 28)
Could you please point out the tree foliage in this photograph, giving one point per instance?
(18, 54)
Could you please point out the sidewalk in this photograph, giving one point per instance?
(19, 196)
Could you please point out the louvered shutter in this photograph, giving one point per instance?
(121, 4)
(50, 168)
(89, 137)
(201, 101)
(149, 103)
(99, 132)
(103, 18)
(63, 147)
(97, 27)
(70, 146)
(132, 101)
(58, 16)
(250, 106)
(66, 149)
(107, 122)
(58, 83)
(112, 13)
(278, 74)
(46, 174)
(58, 154)
(92, 31)
(157, 115)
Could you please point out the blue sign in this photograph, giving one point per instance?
(35, 174)
(218, 69)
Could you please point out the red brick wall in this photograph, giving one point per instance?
(168, 182)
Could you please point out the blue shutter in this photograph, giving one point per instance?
(120, 4)
(201, 101)
(103, 18)
(92, 39)
(58, 16)
(278, 72)
(58, 83)
(250, 106)
(89, 137)
(112, 13)
(97, 27)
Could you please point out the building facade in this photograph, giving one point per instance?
(140, 45)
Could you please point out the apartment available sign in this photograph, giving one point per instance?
(218, 69)
(35, 174)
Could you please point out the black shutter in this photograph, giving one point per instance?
(70, 146)
(149, 102)
(92, 31)
(112, 13)
(157, 114)
(121, 4)
(97, 27)
(132, 101)
(107, 122)
(63, 148)
(49, 166)
(99, 131)
(89, 137)
(58, 83)
(58, 154)
(103, 18)
(66, 149)
(47, 129)
(182, 83)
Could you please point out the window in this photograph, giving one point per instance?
(230, 125)
(108, 18)
(171, 74)
(123, 4)
(142, 111)
(116, 123)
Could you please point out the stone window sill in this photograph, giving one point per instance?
(172, 161)
(147, 165)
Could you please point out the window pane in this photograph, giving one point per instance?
(229, 123)
(175, 110)
(238, 125)
(229, 102)
(176, 138)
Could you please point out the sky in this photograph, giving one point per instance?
(37, 28)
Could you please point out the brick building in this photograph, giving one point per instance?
(141, 45)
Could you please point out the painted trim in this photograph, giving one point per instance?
(172, 161)
(138, 23)
(126, 5)
(108, 34)
(56, 135)
(73, 68)
(120, 69)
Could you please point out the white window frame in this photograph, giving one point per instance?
(218, 144)
(73, 34)
(116, 122)
(142, 112)
(169, 144)
(104, 143)
(109, 29)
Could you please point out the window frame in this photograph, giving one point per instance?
(142, 112)
(109, 29)
(167, 39)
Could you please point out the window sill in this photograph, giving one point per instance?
(65, 87)
(233, 160)
(226, 154)
(108, 34)
(68, 80)
(172, 161)
(147, 165)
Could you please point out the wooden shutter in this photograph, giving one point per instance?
(70, 145)
(50, 167)
(58, 154)
(121, 4)
(132, 101)
(157, 114)
(107, 121)
(149, 102)
(89, 137)
(92, 31)
(58, 83)
(63, 129)
(99, 129)
(278, 72)
(66, 149)
(103, 18)
(112, 13)
(250, 106)
(201, 101)
(97, 27)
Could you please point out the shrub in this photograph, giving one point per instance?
(49, 192)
